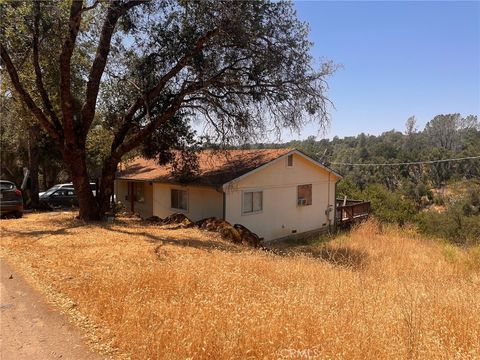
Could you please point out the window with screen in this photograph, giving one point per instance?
(252, 201)
(304, 195)
(179, 199)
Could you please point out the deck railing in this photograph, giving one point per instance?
(354, 210)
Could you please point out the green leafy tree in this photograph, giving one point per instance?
(136, 65)
(24, 145)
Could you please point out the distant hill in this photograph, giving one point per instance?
(444, 137)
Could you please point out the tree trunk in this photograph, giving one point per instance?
(107, 183)
(77, 166)
(45, 176)
(33, 165)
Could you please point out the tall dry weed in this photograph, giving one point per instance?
(377, 292)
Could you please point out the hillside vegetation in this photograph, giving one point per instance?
(401, 193)
(444, 137)
(143, 291)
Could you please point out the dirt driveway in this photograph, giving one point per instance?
(30, 329)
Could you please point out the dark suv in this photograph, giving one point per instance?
(63, 197)
(11, 200)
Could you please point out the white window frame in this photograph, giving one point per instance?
(243, 201)
(188, 199)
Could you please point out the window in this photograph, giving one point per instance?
(138, 191)
(304, 195)
(6, 185)
(290, 160)
(252, 201)
(179, 199)
(59, 193)
(51, 190)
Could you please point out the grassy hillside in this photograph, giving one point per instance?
(147, 292)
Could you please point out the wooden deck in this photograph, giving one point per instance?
(351, 211)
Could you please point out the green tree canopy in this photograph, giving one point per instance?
(137, 65)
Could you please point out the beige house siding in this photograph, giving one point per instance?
(142, 208)
(280, 215)
(202, 201)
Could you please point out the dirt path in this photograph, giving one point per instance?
(29, 328)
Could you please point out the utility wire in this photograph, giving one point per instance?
(407, 163)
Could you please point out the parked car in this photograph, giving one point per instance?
(11, 199)
(60, 197)
(93, 186)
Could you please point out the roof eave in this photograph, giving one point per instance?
(294, 151)
(326, 168)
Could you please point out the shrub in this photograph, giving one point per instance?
(438, 200)
(388, 206)
(459, 223)
(346, 187)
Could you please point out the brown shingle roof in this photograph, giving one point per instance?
(215, 167)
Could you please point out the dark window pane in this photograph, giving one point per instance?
(247, 202)
(6, 186)
(252, 201)
(179, 199)
(290, 160)
(257, 201)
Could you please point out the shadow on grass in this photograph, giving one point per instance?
(171, 240)
(202, 244)
(320, 247)
(316, 247)
(340, 256)
(303, 241)
(40, 234)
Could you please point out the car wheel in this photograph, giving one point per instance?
(18, 214)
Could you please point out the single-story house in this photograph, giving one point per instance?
(273, 192)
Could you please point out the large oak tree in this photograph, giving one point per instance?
(135, 67)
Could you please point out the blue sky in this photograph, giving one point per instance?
(399, 59)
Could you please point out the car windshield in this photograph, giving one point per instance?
(51, 190)
(6, 186)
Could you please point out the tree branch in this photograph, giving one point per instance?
(93, 6)
(155, 91)
(133, 142)
(65, 60)
(38, 71)
(166, 115)
(25, 96)
(114, 12)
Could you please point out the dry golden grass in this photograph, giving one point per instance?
(163, 293)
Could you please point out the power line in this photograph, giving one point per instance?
(407, 163)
